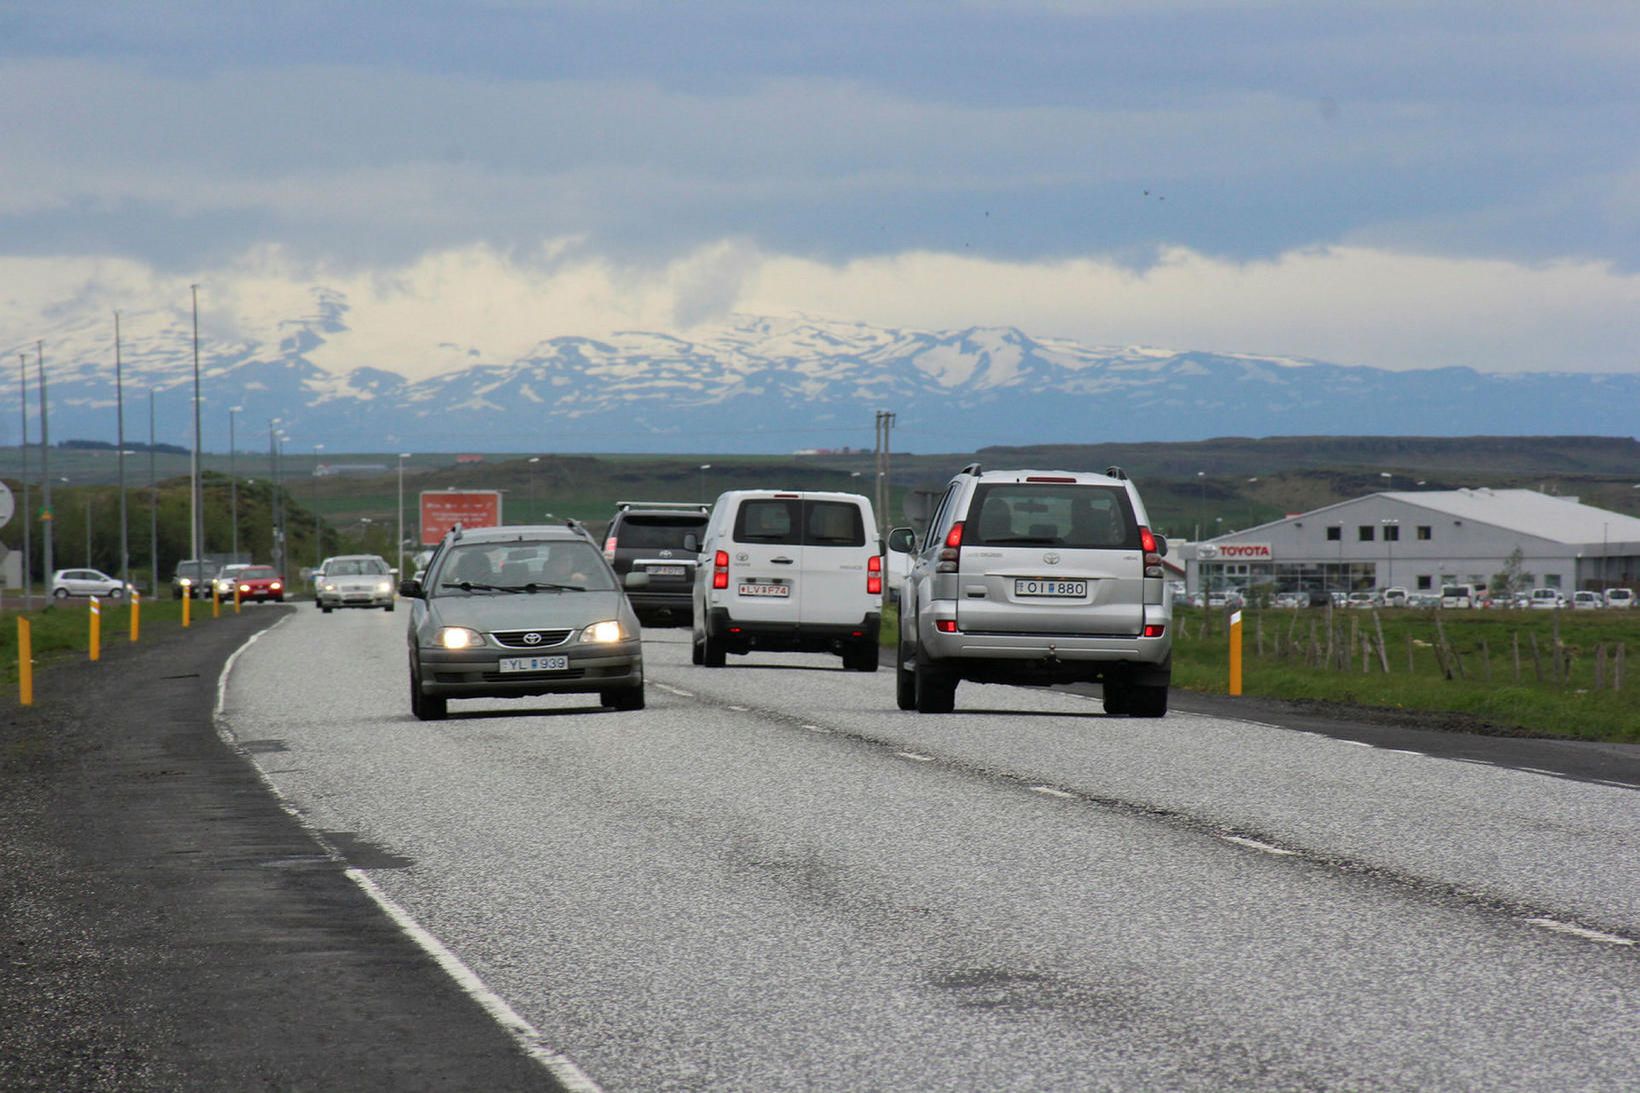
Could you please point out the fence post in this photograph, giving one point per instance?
(96, 629)
(25, 661)
(1600, 667)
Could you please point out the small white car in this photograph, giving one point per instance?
(85, 582)
(1547, 599)
(1587, 601)
(1620, 597)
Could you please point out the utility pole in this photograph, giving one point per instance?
(881, 447)
(277, 502)
(195, 516)
(233, 484)
(153, 504)
(119, 404)
(318, 528)
(47, 563)
(402, 457)
(28, 517)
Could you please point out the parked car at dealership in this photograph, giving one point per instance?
(1547, 599)
(1584, 600)
(1620, 597)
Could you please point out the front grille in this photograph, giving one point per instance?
(519, 639)
(516, 677)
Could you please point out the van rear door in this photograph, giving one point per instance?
(766, 559)
(836, 553)
(1050, 555)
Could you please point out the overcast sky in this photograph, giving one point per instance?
(1398, 184)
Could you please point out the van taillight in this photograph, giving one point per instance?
(720, 569)
(609, 549)
(952, 550)
(1153, 560)
(874, 575)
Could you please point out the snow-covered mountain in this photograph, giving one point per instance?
(759, 384)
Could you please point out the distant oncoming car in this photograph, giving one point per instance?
(258, 583)
(354, 580)
(85, 582)
(509, 612)
(193, 578)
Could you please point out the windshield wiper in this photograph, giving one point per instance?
(542, 586)
(469, 586)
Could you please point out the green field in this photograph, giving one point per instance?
(63, 630)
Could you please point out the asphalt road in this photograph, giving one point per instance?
(773, 879)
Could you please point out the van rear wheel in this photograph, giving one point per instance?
(713, 651)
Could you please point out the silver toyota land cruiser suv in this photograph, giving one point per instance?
(1036, 577)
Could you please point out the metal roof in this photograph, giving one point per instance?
(1528, 512)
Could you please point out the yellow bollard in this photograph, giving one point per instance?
(1235, 652)
(216, 602)
(236, 597)
(187, 606)
(96, 629)
(25, 661)
(136, 614)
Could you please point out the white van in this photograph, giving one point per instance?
(789, 571)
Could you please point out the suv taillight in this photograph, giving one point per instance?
(1153, 560)
(952, 550)
(874, 575)
(609, 549)
(720, 569)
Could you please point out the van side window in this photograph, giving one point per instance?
(833, 523)
(768, 520)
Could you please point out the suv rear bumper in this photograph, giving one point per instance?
(791, 637)
(1048, 658)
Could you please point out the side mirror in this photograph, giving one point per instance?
(691, 543)
(902, 540)
(1161, 546)
(411, 590)
(635, 581)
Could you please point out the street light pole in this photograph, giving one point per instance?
(402, 457)
(704, 467)
(153, 504)
(1201, 507)
(318, 528)
(28, 517)
(196, 530)
(47, 562)
(233, 483)
(119, 403)
(1392, 532)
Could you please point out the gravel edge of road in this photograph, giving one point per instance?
(166, 924)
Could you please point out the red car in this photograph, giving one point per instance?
(260, 583)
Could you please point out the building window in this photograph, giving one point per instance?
(1425, 583)
(1335, 534)
(1392, 533)
(1425, 532)
(1364, 532)
(1551, 580)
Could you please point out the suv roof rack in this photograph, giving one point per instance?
(686, 506)
(1113, 471)
(972, 468)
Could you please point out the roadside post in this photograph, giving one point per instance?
(25, 661)
(236, 597)
(187, 604)
(136, 614)
(1235, 652)
(216, 602)
(96, 629)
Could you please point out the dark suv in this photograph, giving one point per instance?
(662, 539)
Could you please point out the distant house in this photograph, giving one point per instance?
(469, 458)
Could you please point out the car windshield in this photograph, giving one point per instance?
(1036, 514)
(522, 567)
(195, 570)
(257, 573)
(657, 532)
(356, 567)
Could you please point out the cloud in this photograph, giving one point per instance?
(455, 307)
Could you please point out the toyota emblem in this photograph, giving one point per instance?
(666, 554)
(1051, 558)
(532, 638)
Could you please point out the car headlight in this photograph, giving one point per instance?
(384, 586)
(184, 581)
(275, 586)
(328, 587)
(244, 588)
(603, 632)
(459, 637)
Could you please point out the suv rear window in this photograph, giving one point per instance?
(793, 522)
(1038, 514)
(657, 532)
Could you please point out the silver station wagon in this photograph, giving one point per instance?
(354, 580)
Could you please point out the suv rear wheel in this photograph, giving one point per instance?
(905, 680)
(1147, 701)
(936, 689)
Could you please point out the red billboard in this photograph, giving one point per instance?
(443, 509)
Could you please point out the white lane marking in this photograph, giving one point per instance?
(1539, 770)
(1578, 931)
(1619, 785)
(1049, 791)
(816, 728)
(528, 1038)
(1262, 848)
(679, 691)
(916, 757)
(1401, 751)
(739, 709)
(1355, 743)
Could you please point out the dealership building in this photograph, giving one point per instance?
(1421, 540)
